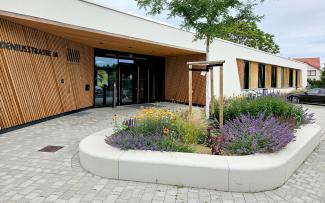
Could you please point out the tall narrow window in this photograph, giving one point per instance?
(297, 78)
(274, 74)
(261, 75)
(290, 77)
(246, 75)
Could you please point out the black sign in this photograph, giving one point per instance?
(27, 49)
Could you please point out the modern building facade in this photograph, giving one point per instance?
(314, 67)
(64, 55)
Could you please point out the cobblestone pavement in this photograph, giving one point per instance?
(27, 175)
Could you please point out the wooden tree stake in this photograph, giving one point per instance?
(190, 89)
(221, 97)
(212, 91)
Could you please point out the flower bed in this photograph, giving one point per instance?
(276, 137)
(160, 130)
(264, 124)
(251, 173)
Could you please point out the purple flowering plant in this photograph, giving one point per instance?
(249, 134)
(148, 133)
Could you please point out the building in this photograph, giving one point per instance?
(314, 67)
(64, 55)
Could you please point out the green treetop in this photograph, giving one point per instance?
(232, 20)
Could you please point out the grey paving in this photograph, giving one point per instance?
(27, 175)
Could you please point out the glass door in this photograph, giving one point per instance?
(143, 80)
(128, 84)
(106, 79)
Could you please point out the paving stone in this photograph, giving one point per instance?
(27, 175)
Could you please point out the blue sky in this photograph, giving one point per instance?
(298, 25)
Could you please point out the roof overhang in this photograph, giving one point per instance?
(98, 39)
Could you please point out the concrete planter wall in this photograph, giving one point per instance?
(251, 173)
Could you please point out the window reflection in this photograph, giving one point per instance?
(103, 62)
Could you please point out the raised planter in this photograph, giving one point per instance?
(251, 173)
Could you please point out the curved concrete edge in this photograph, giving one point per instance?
(251, 173)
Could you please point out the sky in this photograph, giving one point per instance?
(298, 25)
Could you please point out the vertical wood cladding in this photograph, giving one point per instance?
(36, 86)
(253, 76)
(268, 76)
(299, 79)
(241, 66)
(253, 72)
(176, 79)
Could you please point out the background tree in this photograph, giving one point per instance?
(247, 33)
(212, 19)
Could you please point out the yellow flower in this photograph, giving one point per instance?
(166, 131)
(114, 117)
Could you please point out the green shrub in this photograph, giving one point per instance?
(271, 105)
(192, 129)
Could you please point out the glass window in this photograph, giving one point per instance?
(261, 75)
(126, 61)
(274, 75)
(106, 77)
(322, 91)
(246, 75)
(297, 78)
(311, 72)
(290, 77)
(313, 91)
(103, 62)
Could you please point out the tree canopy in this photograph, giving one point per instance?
(247, 33)
(232, 20)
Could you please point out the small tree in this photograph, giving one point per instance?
(209, 19)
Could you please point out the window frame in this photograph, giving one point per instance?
(274, 72)
(246, 79)
(261, 75)
(310, 73)
(291, 76)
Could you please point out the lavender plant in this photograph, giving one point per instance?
(249, 134)
(129, 139)
(147, 133)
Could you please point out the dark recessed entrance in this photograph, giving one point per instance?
(123, 78)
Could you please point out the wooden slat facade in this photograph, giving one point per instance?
(241, 67)
(268, 76)
(34, 86)
(176, 79)
(253, 76)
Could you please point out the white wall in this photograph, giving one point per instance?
(318, 73)
(90, 16)
(223, 50)
(87, 15)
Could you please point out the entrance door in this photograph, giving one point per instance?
(106, 72)
(143, 91)
(128, 83)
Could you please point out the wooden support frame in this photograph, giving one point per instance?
(190, 89)
(209, 65)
